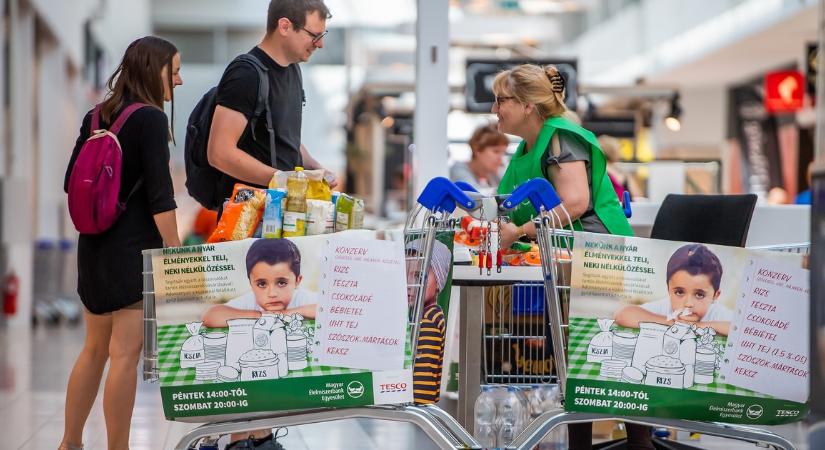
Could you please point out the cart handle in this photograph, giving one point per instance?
(441, 194)
(465, 186)
(626, 205)
(538, 191)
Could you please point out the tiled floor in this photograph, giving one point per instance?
(34, 367)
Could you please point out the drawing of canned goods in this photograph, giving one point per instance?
(227, 373)
(258, 364)
(612, 368)
(206, 371)
(665, 371)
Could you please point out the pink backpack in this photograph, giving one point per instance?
(94, 184)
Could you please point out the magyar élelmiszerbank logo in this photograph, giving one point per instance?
(755, 411)
(355, 389)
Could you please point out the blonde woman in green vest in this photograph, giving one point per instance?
(530, 104)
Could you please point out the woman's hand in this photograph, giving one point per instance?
(509, 234)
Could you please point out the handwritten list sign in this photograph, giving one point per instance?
(768, 346)
(362, 310)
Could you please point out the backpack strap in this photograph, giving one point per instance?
(124, 116)
(262, 103)
(95, 120)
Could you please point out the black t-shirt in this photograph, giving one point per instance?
(238, 91)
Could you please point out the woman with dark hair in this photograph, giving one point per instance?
(110, 263)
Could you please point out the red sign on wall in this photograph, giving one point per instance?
(784, 91)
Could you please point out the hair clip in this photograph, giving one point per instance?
(557, 81)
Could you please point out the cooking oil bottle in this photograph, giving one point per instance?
(296, 204)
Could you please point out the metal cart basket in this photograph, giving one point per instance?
(522, 326)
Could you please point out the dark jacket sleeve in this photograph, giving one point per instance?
(83, 134)
(154, 155)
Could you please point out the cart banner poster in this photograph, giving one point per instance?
(263, 325)
(719, 331)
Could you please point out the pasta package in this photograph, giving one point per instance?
(241, 214)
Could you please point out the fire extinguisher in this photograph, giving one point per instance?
(11, 287)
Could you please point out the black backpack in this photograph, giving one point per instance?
(201, 178)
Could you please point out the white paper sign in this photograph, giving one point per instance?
(362, 310)
(768, 346)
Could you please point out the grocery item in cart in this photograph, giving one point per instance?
(601, 346)
(319, 214)
(273, 224)
(258, 364)
(317, 186)
(241, 215)
(356, 219)
(192, 350)
(343, 212)
(296, 204)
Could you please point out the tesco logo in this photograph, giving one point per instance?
(393, 387)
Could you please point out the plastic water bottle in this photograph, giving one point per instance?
(485, 417)
(557, 438)
(511, 417)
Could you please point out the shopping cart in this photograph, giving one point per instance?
(555, 244)
(431, 217)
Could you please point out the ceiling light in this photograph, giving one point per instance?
(672, 121)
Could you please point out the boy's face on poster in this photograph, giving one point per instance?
(273, 285)
(693, 293)
(413, 277)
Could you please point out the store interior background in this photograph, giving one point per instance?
(632, 58)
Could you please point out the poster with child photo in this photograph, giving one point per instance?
(655, 323)
(240, 330)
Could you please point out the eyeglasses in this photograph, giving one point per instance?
(316, 36)
(500, 100)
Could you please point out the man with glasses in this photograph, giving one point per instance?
(294, 30)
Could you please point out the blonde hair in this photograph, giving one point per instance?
(529, 83)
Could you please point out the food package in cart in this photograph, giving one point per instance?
(274, 213)
(317, 187)
(319, 213)
(356, 219)
(343, 211)
(241, 214)
(601, 346)
(192, 350)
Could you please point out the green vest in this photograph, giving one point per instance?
(524, 167)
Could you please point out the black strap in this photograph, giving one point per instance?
(262, 103)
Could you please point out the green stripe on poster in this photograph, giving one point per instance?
(333, 391)
(608, 397)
